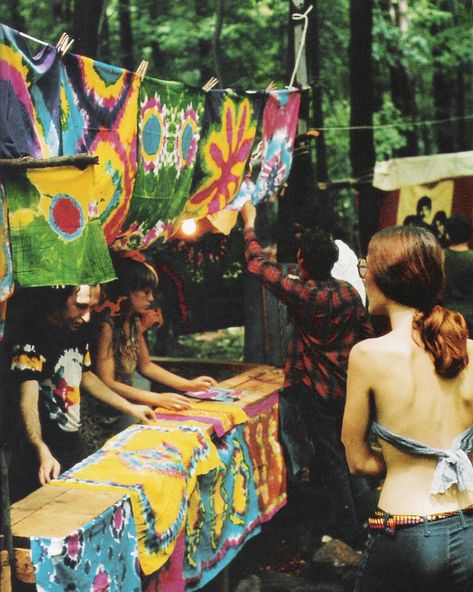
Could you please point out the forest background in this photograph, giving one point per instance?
(380, 78)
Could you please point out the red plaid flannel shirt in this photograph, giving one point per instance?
(329, 318)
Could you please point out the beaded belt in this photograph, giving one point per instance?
(390, 522)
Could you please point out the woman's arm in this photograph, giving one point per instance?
(157, 374)
(362, 459)
(105, 365)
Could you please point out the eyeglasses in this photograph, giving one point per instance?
(361, 268)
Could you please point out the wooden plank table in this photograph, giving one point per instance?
(54, 511)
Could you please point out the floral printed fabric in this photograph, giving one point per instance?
(158, 467)
(53, 240)
(100, 557)
(29, 109)
(169, 122)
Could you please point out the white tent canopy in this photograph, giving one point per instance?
(419, 170)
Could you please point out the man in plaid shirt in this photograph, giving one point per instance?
(329, 318)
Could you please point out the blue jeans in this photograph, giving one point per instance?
(310, 434)
(430, 557)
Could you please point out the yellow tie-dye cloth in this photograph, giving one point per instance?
(158, 467)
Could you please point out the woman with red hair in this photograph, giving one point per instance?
(412, 390)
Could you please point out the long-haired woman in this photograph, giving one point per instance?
(412, 390)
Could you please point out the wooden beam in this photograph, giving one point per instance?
(80, 161)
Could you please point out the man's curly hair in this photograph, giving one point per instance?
(319, 253)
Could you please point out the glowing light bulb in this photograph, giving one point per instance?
(188, 227)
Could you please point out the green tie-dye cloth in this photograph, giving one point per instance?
(169, 124)
(53, 240)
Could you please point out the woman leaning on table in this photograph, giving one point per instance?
(413, 390)
(120, 349)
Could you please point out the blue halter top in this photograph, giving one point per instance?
(453, 466)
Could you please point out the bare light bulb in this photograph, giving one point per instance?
(188, 227)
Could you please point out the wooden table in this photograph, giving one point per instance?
(57, 511)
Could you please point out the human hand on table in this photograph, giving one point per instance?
(142, 412)
(201, 383)
(171, 401)
(49, 468)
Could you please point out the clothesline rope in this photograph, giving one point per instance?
(298, 17)
(401, 124)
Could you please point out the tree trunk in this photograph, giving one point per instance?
(362, 152)
(216, 44)
(87, 17)
(126, 35)
(317, 116)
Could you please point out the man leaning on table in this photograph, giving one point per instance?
(50, 363)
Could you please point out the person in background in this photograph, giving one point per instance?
(119, 350)
(458, 292)
(412, 389)
(50, 362)
(439, 225)
(329, 318)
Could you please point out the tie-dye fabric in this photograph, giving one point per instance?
(228, 131)
(6, 269)
(280, 118)
(158, 467)
(99, 110)
(221, 416)
(269, 469)
(29, 109)
(223, 513)
(169, 131)
(52, 239)
(101, 556)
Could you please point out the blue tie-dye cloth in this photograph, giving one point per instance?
(100, 556)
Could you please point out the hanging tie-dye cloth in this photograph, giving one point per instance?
(29, 109)
(6, 269)
(280, 118)
(99, 110)
(52, 239)
(169, 132)
(228, 131)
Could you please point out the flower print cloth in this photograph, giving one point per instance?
(99, 557)
(53, 241)
(280, 119)
(228, 132)
(169, 123)
(99, 110)
(29, 87)
(157, 466)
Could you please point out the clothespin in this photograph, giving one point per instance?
(142, 68)
(64, 44)
(271, 86)
(210, 84)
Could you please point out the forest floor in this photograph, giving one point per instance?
(293, 553)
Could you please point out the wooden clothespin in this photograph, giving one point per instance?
(64, 44)
(210, 84)
(142, 68)
(271, 86)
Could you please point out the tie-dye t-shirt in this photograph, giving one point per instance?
(56, 358)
